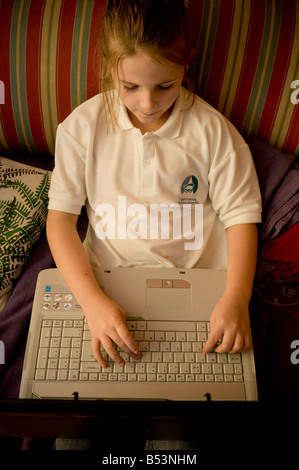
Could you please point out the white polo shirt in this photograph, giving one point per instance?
(163, 198)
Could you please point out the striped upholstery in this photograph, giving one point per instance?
(48, 65)
(247, 59)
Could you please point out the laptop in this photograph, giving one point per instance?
(168, 312)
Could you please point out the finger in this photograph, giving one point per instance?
(96, 349)
(212, 341)
(134, 354)
(247, 342)
(111, 351)
(125, 341)
(118, 341)
(226, 342)
(238, 345)
(242, 341)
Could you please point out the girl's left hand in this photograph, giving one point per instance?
(229, 323)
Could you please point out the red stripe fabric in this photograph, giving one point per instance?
(6, 110)
(250, 60)
(280, 69)
(93, 61)
(221, 46)
(63, 60)
(291, 141)
(33, 74)
(196, 8)
(254, 96)
(261, 87)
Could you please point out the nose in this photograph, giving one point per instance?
(148, 101)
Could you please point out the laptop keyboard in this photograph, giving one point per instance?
(171, 351)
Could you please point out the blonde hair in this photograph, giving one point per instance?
(155, 27)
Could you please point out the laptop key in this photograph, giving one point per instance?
(170, 352)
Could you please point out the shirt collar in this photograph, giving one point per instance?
(172, 127)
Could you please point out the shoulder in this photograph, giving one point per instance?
(86, 113)
(83, 121)
(201, 109)
(210, 121)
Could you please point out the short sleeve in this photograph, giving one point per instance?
(68, 190)
(234, 188)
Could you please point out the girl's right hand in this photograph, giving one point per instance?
(106, 320)
(107, 324)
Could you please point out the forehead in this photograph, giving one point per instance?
(142, 68)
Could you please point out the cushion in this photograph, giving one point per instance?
(246, 63)
(277, 272)
(48, 65)
(23, 211)
(278, 175)
(284, 247)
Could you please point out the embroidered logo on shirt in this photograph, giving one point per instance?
(189, 185)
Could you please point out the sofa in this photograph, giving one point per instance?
(246, 66)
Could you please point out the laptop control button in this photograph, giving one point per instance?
(181, 283)
(154, 283)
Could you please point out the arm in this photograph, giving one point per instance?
(106, 319)
(230, 317)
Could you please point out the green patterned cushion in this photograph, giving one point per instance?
(23, 212)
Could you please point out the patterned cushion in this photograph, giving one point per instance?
(23, 211)
(246, 63)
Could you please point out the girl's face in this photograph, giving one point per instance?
(148, 88)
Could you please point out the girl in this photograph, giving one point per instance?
(146, 140)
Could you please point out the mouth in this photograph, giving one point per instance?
(149, 114)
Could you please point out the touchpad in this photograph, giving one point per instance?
(172, 294)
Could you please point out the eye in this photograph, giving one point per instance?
(130, 87)
(165, 88)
